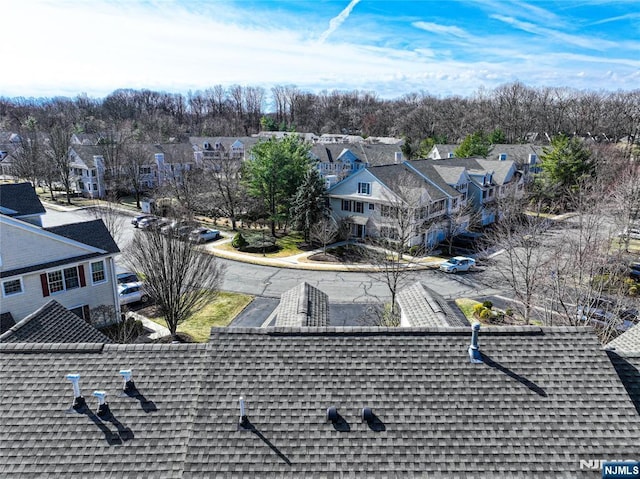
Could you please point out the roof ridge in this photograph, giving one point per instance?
(51, 347)
(409, 331)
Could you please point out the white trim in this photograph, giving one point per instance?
(19, 278)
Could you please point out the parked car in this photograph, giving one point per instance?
(630, 233)
(202, 235)
(132, 293)
(603, 312)
(136, 221)
(148, 222)
(458, 263)
(127, 277)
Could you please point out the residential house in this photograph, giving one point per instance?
(9, 144)
(87, 166)
(441, 151)
(515, 402)
(73, 264)
(209, 150)
(53, 323)
(373, 201)
(20, 201)
(525, 156)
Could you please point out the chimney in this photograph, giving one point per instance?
(78, 400)
(128, 385)
(103, 407)
(474, 349)
(244, 420)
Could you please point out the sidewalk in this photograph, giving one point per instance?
(302, 261)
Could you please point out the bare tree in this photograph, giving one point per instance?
(29, 156)
(108, 212)
(57, 154)
(178, 277)
(324, 232)
(524, 260)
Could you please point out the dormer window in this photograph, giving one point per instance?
(450, 155)
(364, 188)
(533, 159)
(502, 156)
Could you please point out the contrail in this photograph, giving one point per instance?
(335, 22)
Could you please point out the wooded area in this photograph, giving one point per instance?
(520, 112)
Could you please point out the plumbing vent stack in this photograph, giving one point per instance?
(474, 349)
(78, 400)
(366, 414)
(128, 384)
(103, 407)
(332, 414)
(243, 413)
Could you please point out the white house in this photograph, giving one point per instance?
(73, 264)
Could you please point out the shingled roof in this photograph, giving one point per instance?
(628, 342)
(543, 400)
(303, 305)
(420, 306)
(53, 323)
(93, 233)
(19, 199)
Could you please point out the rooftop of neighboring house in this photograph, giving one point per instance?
(53, 323)
(518, 153)
(627, 342)
(443, 150)
(421, 306)
(87, 153)
(303, 305)
(199, 143)
(380, 153)
(408, 403)
(443, 176)
(500, 169)
(19, 199)
(93, 233)
(399, 177)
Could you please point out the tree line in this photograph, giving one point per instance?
(522, 113)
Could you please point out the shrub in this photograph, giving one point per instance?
(485, 313)
(416, 250)
(487, 304)
(478, 308)
(633, 290)
(238, 241)
(508, 312)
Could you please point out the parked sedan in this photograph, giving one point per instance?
(136, 221)
(132, 293)
(458, 263)
(602, 312)
(149, 222)
(202, 235)
(127, 277)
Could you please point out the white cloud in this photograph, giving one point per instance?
(441, 29)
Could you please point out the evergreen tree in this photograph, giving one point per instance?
(309, 204)
(275, 172)
(566, 161)
(475, 144)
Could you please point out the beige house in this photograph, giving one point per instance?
(73, 264)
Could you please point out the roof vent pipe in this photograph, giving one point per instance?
(332, 414)
(103, 407)
(244, 420)
(366, 414)
(474, 349)
(128, 384)
(78, 400)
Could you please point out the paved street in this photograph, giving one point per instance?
(271, 282)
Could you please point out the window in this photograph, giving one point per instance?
(359, 206)
(13, 286)
(502, 156)
(93, 173)
(346, 205)
(71, 279)
(95, 187)
(97, 272)
(145, 170)
(56, 281)
(372, 206)
(364, 188)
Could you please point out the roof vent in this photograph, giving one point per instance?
(103, 407)
(78, 400)
(332, 414)
(244, 420)
(474, 350)
(128, 385)
(366, 414)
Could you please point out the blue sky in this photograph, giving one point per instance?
(444, 47)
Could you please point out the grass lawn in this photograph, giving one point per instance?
(219, 312)
(466, 306)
